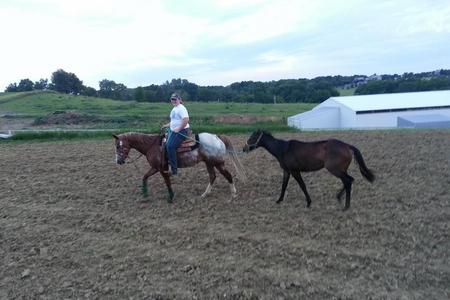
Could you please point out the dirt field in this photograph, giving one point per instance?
(73, 226)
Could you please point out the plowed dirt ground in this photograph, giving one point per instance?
(73, 226)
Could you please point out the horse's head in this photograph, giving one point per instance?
(254, 141)
(122, 149)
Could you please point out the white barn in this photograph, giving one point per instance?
(377, 111)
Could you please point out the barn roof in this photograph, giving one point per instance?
(415, 100)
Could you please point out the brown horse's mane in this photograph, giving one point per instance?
(142, 139)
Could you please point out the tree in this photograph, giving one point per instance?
(25, 85)
(88, 91)
(139, 94)
(42, 84)
(65, 82)
(112, 90)
(12, 87)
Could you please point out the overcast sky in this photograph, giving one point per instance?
(211, 42)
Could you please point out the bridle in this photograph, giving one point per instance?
(124, 153)
(257, 141)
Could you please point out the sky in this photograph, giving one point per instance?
(211, 42)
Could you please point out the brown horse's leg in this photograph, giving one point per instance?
(340, 193)
(302, 185)
(227, 175)
(347, 181)
(212, 178)
(151, 172)
(168, 184)
(286, 176)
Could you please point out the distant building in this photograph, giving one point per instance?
(361, 80)
(378, 111)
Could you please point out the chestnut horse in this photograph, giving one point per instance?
(296, 156)
(210, 148)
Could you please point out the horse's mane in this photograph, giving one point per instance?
(141, 138)
(266, 132)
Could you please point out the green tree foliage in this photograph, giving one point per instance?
(42, 84)
(65, 82)
(407, 83)
(139, 94)
(12, 87)
(299, 90)
(113, 90)
(25, 85)
(88, 91)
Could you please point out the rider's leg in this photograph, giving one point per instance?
(174, 140)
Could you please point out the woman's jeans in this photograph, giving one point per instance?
(173, 141)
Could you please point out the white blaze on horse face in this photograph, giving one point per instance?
(212, 144)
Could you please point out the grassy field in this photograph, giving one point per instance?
(34, 108)
(346, 92)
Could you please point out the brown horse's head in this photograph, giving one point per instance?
(122, 149)
(254, 141)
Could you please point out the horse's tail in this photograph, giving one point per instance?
(368, 174)
(234, 158)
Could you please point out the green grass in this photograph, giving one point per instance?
(346, 92)
(41, 103)
(123, 116)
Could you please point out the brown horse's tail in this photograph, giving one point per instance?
(234, 158)
(368, 174)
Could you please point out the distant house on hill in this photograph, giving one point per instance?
(361, 80)
(378, 111)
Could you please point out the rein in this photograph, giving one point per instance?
(132, 161)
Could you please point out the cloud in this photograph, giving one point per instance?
(208, 41)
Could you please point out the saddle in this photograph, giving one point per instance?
(189, 144)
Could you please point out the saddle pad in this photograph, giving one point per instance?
(186, 145)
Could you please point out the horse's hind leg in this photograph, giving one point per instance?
(212, 178)
(302, 185)
(340, 193)
(347, 181)
(227, 175)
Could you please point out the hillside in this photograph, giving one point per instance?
(48, 109)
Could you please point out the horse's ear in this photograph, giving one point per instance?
(115, 136)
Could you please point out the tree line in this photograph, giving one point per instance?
(303, 90)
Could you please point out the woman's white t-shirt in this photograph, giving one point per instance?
(177, 115)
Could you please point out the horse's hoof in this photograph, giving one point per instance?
(345, 208)
(278, 201)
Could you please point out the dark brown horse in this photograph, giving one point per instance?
(211, 149)
(296, 157)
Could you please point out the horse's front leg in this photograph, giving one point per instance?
(286, 176)
(145, 180)
(169, 185)
(302, 185)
